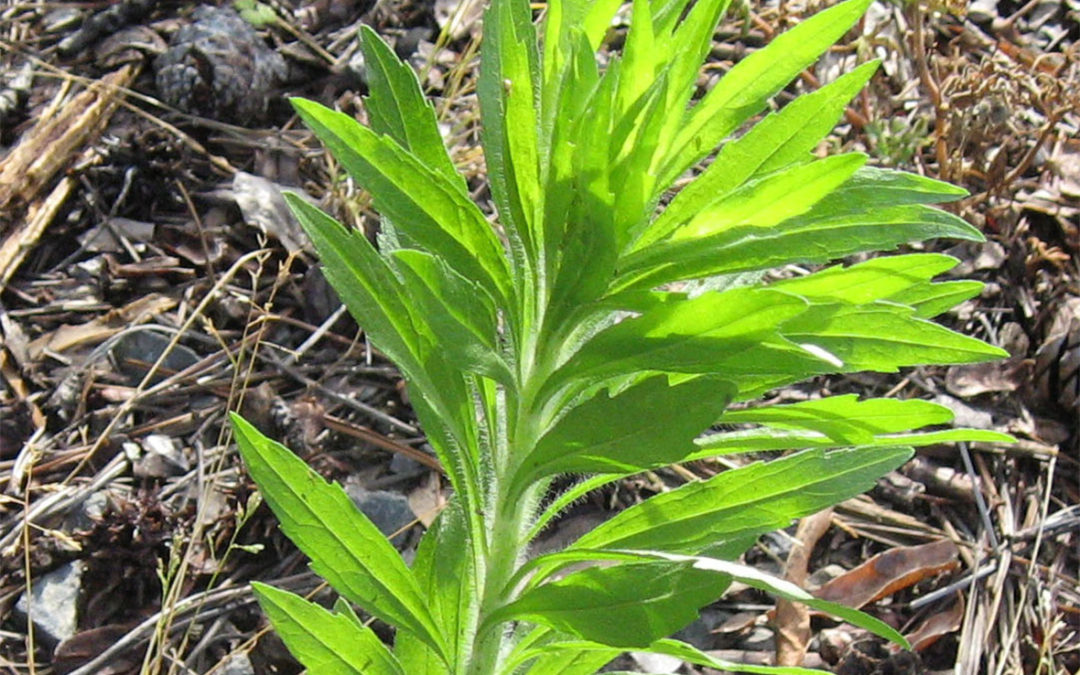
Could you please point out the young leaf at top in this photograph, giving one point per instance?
(397, 107)
(509, 72)
(751, 82)
(782, 138)
(421, 202)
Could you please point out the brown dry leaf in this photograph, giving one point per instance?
(937, 626)
(1065, 164)
(980, 378)
(427, 499)
(263, 205)
(103, 327)
(889, 572)
(792, 619)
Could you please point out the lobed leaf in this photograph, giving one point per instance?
(712, 333)
(764, 439)
(680, 650)
(772, 199)
(883, 337)
(724, 569)
(845, 418)
(783, 588)
(782, 138)
(874, 279)
(930, 299)
(818, 236)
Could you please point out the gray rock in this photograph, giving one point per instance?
(983, 11)
(389, 511)
(237, 664)
(89, 513)
(405, 466)
(760, 639)
(135, 351)
(53, 603)
(161, 458)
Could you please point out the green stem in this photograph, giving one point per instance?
(511, 506)
(503, 554)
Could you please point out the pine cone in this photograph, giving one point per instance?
(218, 67)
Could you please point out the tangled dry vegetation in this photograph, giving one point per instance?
(152, 279)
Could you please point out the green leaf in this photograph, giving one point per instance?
(724, 569)
(571, 660)
(691, 654)
(929, 300)
(345, 547)
(883, 336)
(626, 606)
(652, 423)
(772, 199)
(639, 61)
(421, 202)
(780, 139)
(782, 588)
(459, 312)
(685, 48)
(375, 296)
(325, 643)
(753, 499)
(568, 497)
(751, 82)
(873, 187)
(396, 106)
(507, 88)
(711, 333)
(256, 13)
(845, 418)
(817, 236)
(364, 282)
(682, 651)
(868, 281)
(760, 440)
(443, 570)
(711, 208)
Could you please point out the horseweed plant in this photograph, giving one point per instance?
(600, 328)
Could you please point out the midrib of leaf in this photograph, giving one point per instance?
(747, 501)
